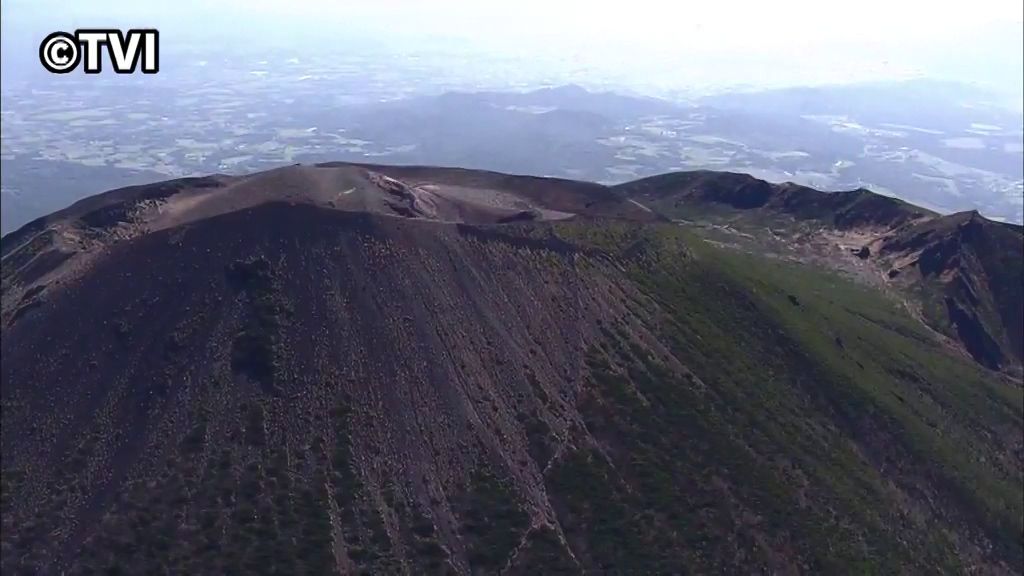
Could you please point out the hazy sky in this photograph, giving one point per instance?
(647, 41)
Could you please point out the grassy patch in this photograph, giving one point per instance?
(797, 419)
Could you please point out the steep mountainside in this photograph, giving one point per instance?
(364, 369)
(969, 273)
(962, 273)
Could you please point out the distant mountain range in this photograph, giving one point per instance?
(941, 145)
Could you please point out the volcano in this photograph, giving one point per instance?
(357, 369)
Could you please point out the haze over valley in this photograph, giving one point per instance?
(937, 144)
(630, 97)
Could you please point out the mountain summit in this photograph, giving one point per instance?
(410, 370)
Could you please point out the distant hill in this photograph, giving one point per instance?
(541, 132)
(936, 104)
(354, 368)
(611, 105)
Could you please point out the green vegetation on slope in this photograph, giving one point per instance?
(818, 417)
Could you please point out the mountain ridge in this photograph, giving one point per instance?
(893, 235)
(786, 196)
(985, 325)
